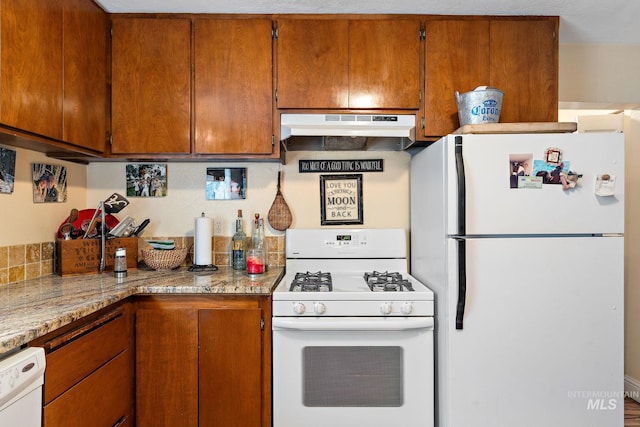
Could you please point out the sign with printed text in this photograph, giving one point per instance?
(359, 165)
(341, 199)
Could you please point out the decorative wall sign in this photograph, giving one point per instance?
(359, 165)
(49, 183)
(146, 180)
(341, 199)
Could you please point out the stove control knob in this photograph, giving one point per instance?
(386, 308)
(406, 307)
(319, 307)
(298, 308)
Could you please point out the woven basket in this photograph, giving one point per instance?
(279, 215)
(159, 259)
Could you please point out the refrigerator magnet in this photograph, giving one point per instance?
(605, 185)
(553, 156)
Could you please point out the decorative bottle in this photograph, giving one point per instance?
(256, 258)
(239, 245)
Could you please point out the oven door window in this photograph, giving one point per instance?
(362, 376)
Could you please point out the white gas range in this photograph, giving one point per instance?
(352, 332)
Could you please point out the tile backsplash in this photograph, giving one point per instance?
(30, 261)
(22, 262)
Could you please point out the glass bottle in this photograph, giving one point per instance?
(238, 245)
(256, 257)
(258, 239)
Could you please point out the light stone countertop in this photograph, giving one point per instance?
(33, 308)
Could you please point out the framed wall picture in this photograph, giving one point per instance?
(7, 169)
(341, 199)
(226, 183)
(146, 180)
(49, 183)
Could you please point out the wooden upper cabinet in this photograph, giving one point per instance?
(233, 86)
(151, 85)
(524, 65)
(456, 60)
(348, 64)
(516, 55)
(85, 74)
(313, 63)
(31, 66)
(384, 64)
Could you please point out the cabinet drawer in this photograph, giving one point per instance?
(80, 351)
(101, 399)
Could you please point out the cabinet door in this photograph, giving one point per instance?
(151, 85)
(456, 59)
(524, 65)
(85, 74)
(384, 64)
(166, 365)
(31, 66)
(233, 86)
(313, 63)
(230, 367)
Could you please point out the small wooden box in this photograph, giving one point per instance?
(82, 256)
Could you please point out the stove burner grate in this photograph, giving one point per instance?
(311, 282)
(387, 282)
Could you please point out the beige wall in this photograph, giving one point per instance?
(385, 194)
(23, 221)
(599, 74)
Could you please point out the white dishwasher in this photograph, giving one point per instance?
(21, 380)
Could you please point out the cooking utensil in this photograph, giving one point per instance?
(279, 216)
(141, 227)
(115, 203)
(67, 229)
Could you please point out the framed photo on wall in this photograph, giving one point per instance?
(341, 199)
(7, 169)
(49, 183)
(226, 183)
(146, 180)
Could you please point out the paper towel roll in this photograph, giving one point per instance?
(202, 240)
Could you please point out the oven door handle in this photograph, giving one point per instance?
(351, 323)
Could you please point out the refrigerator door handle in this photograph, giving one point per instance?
(462, 262)
(462, 282)
(461, 187)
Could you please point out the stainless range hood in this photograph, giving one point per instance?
(348, 125)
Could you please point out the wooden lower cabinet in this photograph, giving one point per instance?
(203, 361)
(89, 378)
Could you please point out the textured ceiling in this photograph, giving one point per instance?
(581, 21)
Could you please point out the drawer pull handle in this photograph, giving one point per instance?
(83, 330)
(120, 421)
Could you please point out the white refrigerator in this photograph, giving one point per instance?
(527, 274)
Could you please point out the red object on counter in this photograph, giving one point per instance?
(255, 265)
(84, 218)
